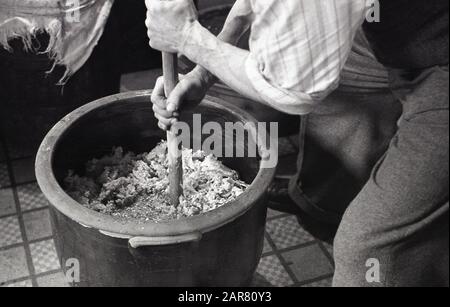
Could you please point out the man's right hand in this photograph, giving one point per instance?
(188, 93)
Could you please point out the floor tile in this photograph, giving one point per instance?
(44, 256)
(7, 202)
(308, 262)
(21, 284)
(23, 170)
(31, 197)
(260, 281)
(13, 264)
(10, 233)
(267, 247)
(271, 269)
(37, 224)
(272, 213)
(4, 177)
(329, 248)
(286, 232)
(325, 283)
(56, 280)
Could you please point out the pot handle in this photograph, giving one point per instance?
(138, 242)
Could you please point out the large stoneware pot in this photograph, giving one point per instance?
(219, 248)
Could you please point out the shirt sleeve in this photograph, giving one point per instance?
(299, 47)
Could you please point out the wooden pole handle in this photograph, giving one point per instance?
(170, 70)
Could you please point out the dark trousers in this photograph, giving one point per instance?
(377, 152)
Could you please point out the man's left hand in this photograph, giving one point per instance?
(169, 23)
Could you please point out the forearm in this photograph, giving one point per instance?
(220, 59)
(237, 24)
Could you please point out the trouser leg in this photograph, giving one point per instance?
(395, 233)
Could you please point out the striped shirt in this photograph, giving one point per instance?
(299, 47)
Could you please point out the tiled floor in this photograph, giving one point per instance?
(292, 257)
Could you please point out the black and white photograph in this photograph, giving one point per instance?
(224, 151)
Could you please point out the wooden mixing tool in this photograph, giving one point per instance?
(170, 71)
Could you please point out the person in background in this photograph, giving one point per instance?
(398, 222)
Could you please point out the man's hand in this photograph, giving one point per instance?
(189, 92)
(169, 23)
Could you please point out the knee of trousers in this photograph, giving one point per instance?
(361, 255)
(354, 246)
(352, 264)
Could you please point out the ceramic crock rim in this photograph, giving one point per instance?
(204, 223)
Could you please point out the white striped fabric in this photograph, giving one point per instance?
(299, 47)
